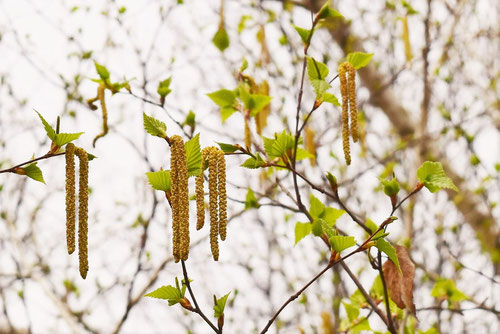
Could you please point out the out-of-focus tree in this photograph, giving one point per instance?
(263, 78)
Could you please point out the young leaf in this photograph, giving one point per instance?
(219, 306)
(164, 87)
(302, 230)
(320, 86)
(352, 311)
(317, 227)
(327, 229)
(340, 242)
(303, 33)
(223, 97)
(330, 98)
(193, 155)
(221, 39)
(257, 103)
(225, 112)
(250, 200)
(400, 283)
(32, 171)
(359, 59)
(446, 289)
(331, 215)
(391, 187)
(253, 163)
(190, 119)
(64, 138)
(316, 207)
(432, 175)
(154, 127)
(173, 295)
(327, 12)
(51, 133)
(102, 71)
(316, 70)
(386, 247)
(303, 154)
(228, 148)
(159, 180)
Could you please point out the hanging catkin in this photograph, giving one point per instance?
(342, 70)
(351, 88)
(83, 197)
(221, 187)
(70, 197)
(180, 199)
(213, 202)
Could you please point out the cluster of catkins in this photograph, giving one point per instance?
(347, 76)
(179, 198)
(83, 197)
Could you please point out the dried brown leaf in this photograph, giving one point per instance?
(400, 285)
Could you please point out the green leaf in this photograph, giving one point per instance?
(64, 138)
(225, 112)
(303, 33)
(164, 87)
(327, 12)
(250, 200)
(445, 288)
(190, 119)
(359, 59)
(193, 155)
(303, 154)
(352, 311)
(377, 289)
(373, 227)
(316, 69)
(159, 180)
(386, 247)
(154, 127)
(51, 133)
(327, 229)
(219, 305)
(331, 215)
(228, 148)
(330, 98)
(432, 175)
(223, 97)
(102, 71)
(340, 242)
(253, 163)
(320, 86)
(302, 230)
(317, 227)
(173, 295)
(221, 39)
(257, 103)
(316, 208)
(32, 171)
(391, 187)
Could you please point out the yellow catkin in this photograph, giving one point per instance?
(310, 144)
(70, 198)
(406, 40)
(180, 196)
(83, 198)
(326, 323)
(261, 117)
(102, 98)
(351, 88)
(200, 200)
(213, 202)
(342, 70)
(221, 187)
(248, 135)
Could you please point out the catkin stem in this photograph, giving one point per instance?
(70, 198)
(102, 98)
